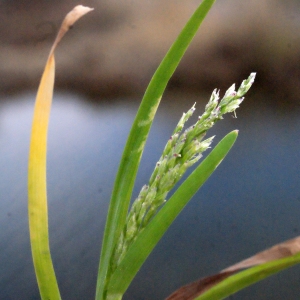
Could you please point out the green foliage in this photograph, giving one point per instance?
(182, 151)
(131, 235)
(136, 141)
(149, 237)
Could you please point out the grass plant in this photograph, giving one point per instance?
(131, 234)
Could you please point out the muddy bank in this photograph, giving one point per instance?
(115, 49)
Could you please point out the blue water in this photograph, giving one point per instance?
(251, 202)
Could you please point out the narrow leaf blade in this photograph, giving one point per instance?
(37, 190)
(217, 287)
(136, 141)
(37, 195)
(149, 237)
(248, 277)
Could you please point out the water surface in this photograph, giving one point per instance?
(251, 202)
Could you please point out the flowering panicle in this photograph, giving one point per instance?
(182, 150)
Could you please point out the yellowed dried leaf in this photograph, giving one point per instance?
(37, 192)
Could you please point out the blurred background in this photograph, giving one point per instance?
(103, 66)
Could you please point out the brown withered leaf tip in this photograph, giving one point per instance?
(278, 251)
(195, 289)
(76, 13)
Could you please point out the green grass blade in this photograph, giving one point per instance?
(135, 144)
(149, 237)
(250, 276)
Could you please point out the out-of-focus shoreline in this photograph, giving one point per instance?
(116, 48)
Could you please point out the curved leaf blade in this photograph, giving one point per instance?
(248, 277)
(199, 287)
(37, 190)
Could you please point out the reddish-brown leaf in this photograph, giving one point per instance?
(195, 289)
